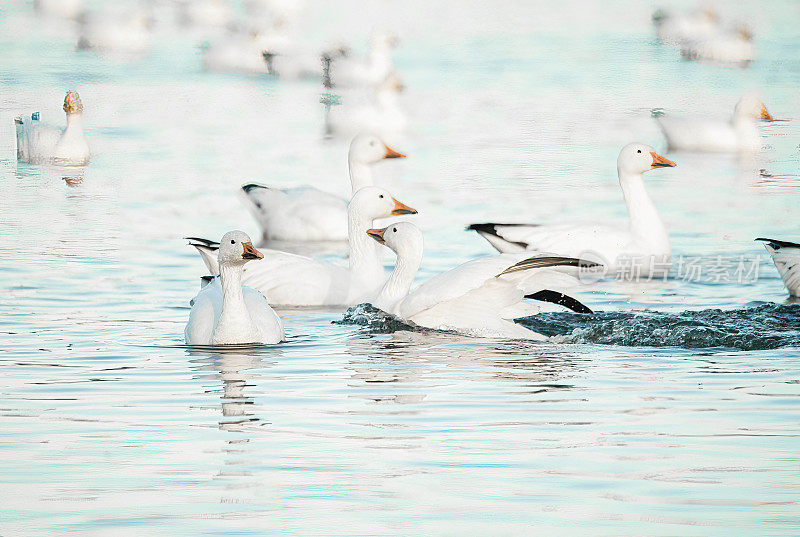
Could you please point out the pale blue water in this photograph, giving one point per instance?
(108, 426)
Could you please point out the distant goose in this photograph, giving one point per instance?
(38, 144)
(293, 280)
(644, 241)
(678, 28)
(739, 134)
(227, 313)
(479, 298)
(117, 33)
(307, 213)
(346, 71)
(380, 113)
(726, 46)
(786, 256)
(67, 9)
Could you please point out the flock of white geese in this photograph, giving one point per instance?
(483, 297)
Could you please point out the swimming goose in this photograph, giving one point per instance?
(380, 113)
(740, 134)
(115, 32)
(37, 144)
(786, 256)
(293, 280)
(679, 28)
(724, 46)
(239, 52)
(644, 240)
(344, 71)
(225, 312)
(479, 298)
(307, 213)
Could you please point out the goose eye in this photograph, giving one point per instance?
(372, 142)
(233, 241)
(381, 196)
(638, 150)
(394, 229)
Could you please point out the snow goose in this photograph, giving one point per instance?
(307, 213)
(786, 256)
(725, 46)
(111, 31)
(644, 241)
(679, 28)
(345, 71)
(294, 280)
(479, 298)
(227, 313)
(379, 113)
(37, 144)
(740, 134)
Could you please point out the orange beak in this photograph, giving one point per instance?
(765, 115)
(660, 162)
(401, 208)
(391, 153)
(250, 251)
(377, 234)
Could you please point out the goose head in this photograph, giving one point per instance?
(369, 149)
(373, 202)
(404, 238)
(750, 106)
(72, 103)
(383, 41)
(235, 248)
(637, 158)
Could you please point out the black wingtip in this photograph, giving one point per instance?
(251, 186)
(199, 241)
(775, 243)
(486, 228)
(546, 295)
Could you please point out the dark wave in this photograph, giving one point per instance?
(767, 326)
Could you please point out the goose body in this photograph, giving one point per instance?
(380, 113)
(225, 312)
(732, 47)
(346, 71)
(479, 298)
(644, 240)
(307, 213)
(786, 256)
(293, 280)
(39, 144)
(680, 28)
(740, 134)
(114, 32)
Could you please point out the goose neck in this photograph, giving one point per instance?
(399, 283)
(360, 174)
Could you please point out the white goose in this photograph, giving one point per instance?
(227, 313)
(307, 213)
(679, 28)
(293, 280)
(479, 298)
(740, 134)
(644, 240)
(380, 113)
(725, 46)
(117, 32)
(38, 144)
(344, 71)
(786, 256)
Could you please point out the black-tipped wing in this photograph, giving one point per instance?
(492, 233)
(777, 244)
(549, 261)
(197, 241)
(546, 295)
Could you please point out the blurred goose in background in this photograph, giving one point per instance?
(739, 134)
(240, 51)
(786, 256)
(307, 213)
(380, 114)
(644, 240)
(65, 9)
(679, 28)
(478, 298)
(205, 14)
(346, 71)
(227, 313)
(725, 46)
(38, 144)
(293, 280)
(117, 32)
